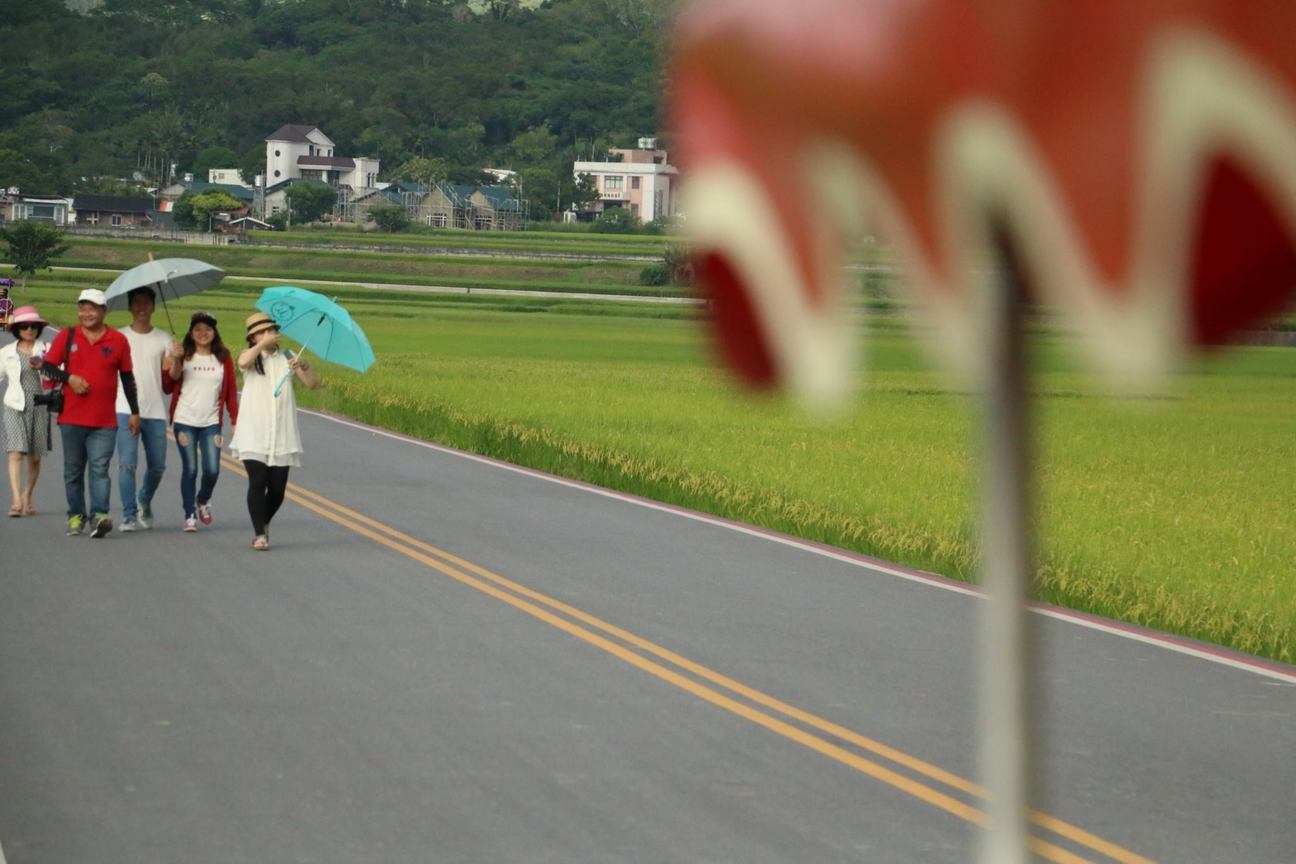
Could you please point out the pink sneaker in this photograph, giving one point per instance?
(205, 514)
(191, 525)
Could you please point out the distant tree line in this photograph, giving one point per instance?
(436, 89)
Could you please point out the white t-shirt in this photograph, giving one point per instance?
(146, 359)
(199, 402)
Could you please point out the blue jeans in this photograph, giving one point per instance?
(153, 433)
(82, 446)
(197, 446)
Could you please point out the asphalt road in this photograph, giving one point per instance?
(444, 659)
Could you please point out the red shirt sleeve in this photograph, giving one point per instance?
(229, 391)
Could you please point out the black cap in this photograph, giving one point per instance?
(202, 318)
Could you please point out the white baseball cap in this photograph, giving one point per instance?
(93, 295)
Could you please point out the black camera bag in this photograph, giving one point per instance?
(53, 399)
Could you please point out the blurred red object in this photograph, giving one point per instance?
(1132, 162)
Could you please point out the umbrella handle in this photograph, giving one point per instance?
(288, 374)
(283, 381)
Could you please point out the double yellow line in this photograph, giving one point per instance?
(795, 724)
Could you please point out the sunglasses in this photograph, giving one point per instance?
(26, 326)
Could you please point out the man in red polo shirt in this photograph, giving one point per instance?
(88, 424)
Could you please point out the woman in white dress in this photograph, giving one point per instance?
(266, 438)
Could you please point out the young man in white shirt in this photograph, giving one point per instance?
(150, 348)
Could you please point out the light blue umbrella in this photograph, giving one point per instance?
(319, 324)
(171, 278)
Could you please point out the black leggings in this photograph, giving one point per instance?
(266, 488)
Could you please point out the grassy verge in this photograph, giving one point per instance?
(595, 277)
(1172, 512)
(130, 252)
(558, 243)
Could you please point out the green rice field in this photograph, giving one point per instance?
(1174, 512)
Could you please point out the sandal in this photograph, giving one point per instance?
(29, 510)
(261, 543)
(15, 510)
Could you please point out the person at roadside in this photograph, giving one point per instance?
(200, 379)
(26, 424)
(150, 349)
(96, 356)
(266, 438)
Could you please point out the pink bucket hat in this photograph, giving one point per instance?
(25, 315)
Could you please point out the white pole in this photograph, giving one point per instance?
(289, 373)
(1006, 646)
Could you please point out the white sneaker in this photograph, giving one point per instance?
(191, 525)
(205, 514)
(128, 524)
(145, 517)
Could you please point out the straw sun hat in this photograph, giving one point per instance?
(259, 321)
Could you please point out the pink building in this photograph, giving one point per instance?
(642, 181)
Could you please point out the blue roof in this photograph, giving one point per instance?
(243, 193)
(283, 184)
(500, 197)
(458, 195)
(389, 193)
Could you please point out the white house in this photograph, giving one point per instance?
(15, 206)
(300, 152)
(225, 176)
(642, 181)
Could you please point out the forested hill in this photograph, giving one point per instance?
(135, 85)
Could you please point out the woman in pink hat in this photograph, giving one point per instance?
(26, 424)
